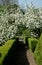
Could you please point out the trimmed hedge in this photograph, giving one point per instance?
(4, 49)
(32, 42)
(38, 52)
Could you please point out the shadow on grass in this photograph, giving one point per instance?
(16, 55)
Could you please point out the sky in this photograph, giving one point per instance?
(36, 3)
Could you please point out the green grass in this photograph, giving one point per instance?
(32, 42)
(4, 49)
(38, 52)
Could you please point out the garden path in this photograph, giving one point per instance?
(25, 56)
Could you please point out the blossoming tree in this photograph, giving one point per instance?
(13, 22)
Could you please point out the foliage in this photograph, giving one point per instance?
(2, 8)
(27, 33)
(38, 52)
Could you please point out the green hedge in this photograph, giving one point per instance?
(4, 49)
(32, 42)
(38, 52)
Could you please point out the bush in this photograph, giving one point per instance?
(38, 52)
(4, 49)
(32, 43)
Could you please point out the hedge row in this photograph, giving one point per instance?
(4, 49)
(32, 43)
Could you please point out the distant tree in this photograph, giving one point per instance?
(7, 2)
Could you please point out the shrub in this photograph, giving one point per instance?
(32, 43)
(38, 52)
